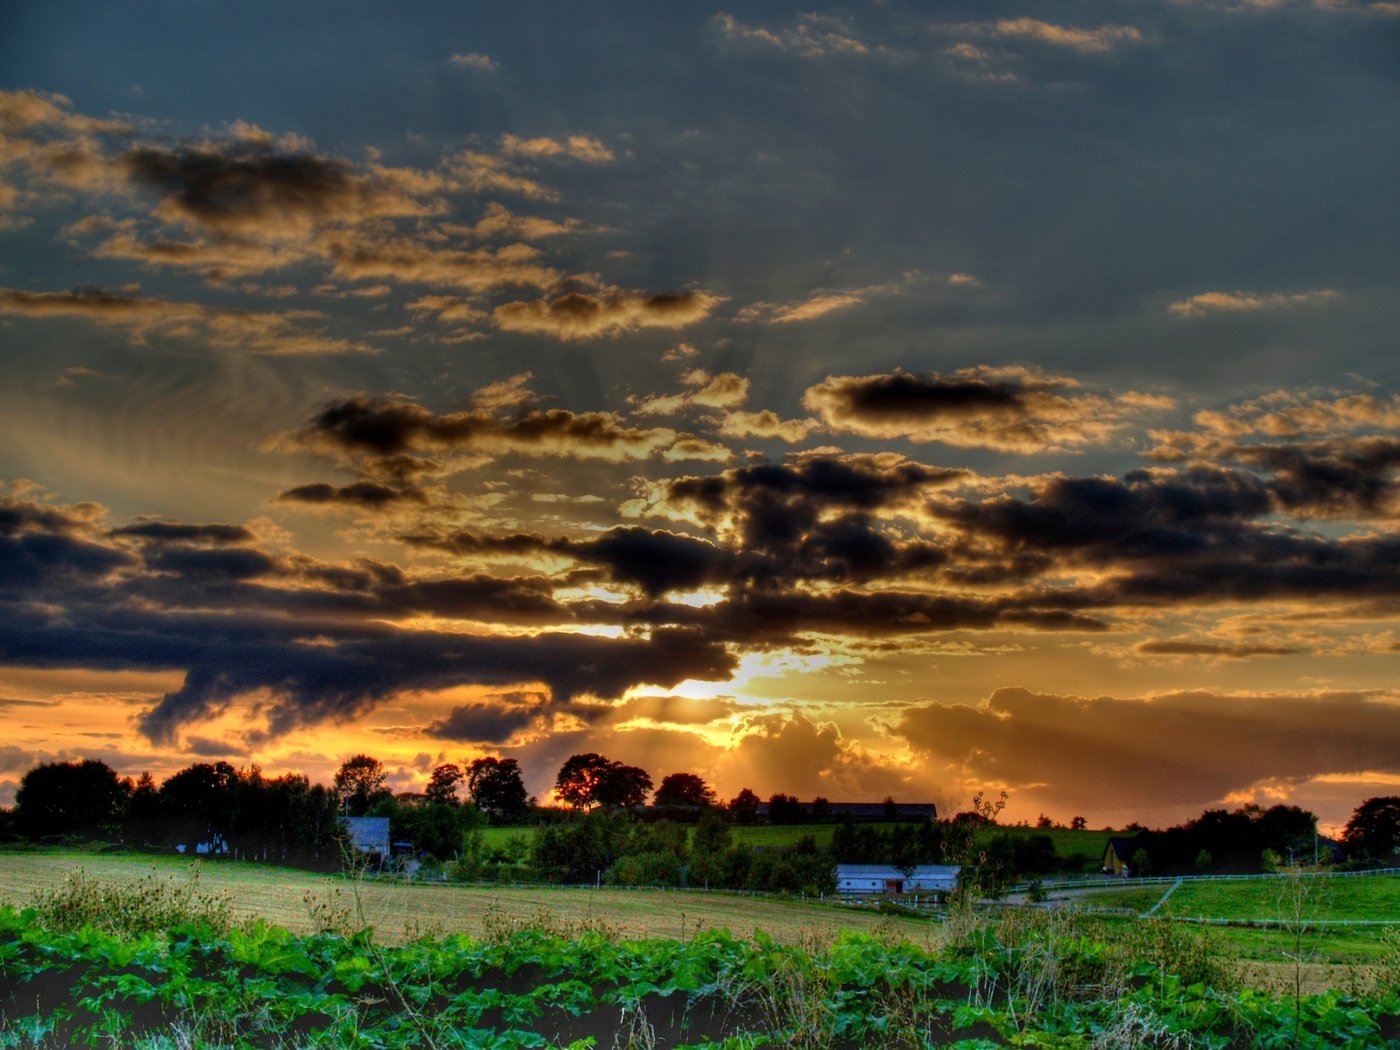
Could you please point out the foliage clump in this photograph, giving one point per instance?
(148, 905)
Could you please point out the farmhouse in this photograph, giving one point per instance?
(1116, 856)
(369, 835)
(886, 878)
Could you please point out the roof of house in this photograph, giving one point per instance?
(868, 871)
(1122, 847)
(889, 871)
(367, 833)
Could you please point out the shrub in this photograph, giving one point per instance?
(149, 905)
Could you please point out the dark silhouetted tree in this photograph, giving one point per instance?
(1078, 823)
(785, 809)
(497, 789)
(743, 807)
(360, 782)
(1374, 828)
(65, 798)
(206, 793)
(684, 789)
(623, 787)
(577, 783)
(443, 783)
(589, 779)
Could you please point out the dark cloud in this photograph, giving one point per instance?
(15, 759)
(483, 723)
(205, 747)
(391, 427)
(813, 518)
(1196, 535)
(233, 563)
(1175, 647)
(175, 532)
(1010, 409)
(35, 562)
(240, 188)
(1352, 479)
(363, 494)
(1145, 514)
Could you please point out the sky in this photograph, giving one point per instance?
(886, 399)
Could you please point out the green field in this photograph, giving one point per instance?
(1311, 898)
(400, 911)
(1303, 906)
(1088, 846)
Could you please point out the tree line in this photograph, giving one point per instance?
(612, 825)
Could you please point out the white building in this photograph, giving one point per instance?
(886, 878)
(369, 835)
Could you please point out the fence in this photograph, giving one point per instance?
(1110, 881)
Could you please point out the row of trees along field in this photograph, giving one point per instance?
(613, 825)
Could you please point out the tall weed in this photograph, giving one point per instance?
(149, 905)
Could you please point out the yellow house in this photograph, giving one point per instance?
(1116, 857)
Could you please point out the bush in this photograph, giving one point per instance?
(150, 905)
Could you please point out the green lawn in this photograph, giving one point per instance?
(1369, 897)
(1085, 846)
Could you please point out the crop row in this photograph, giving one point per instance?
(263, 986)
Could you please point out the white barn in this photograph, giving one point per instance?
(886, 878)
(368, 835)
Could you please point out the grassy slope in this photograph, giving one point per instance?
(1087, 844)
(401, 911)
(1373, 897)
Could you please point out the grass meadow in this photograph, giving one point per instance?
(401, 911)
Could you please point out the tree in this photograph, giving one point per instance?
(743, 807)
(360, 782)
(1374, 828)
(684, 789)
(63, 798)
(785, 809)
(206, 792)
(708, 846)
(589, 779)
(442, 784)
(1078, 823)
(578, 779)
(498, 790)
(624, 787)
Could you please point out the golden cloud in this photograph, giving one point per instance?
(1087, 41)
(578, 315)
(1206, 303)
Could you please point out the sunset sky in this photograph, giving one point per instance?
(888, 399)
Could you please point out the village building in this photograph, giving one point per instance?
(886, 878)
(1117, 855)
(370, 836)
